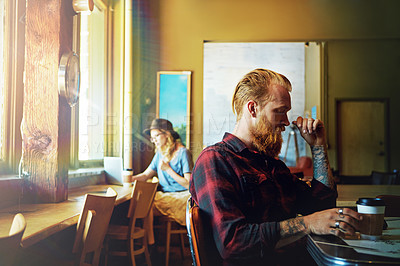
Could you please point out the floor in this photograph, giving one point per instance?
(157, 255)
(157, 251)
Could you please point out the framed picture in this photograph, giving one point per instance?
(173, 101)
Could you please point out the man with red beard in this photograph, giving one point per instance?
(258, 210)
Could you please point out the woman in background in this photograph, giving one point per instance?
(172, 164)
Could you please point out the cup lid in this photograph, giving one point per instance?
(371, 202)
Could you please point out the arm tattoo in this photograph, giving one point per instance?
(322, 171)
(292, 227)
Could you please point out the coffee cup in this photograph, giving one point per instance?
(373, 212)
(127, 177)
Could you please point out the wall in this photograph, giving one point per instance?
(184, 25)
(365, 69)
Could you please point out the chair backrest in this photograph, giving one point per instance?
(92, 225)
(9, 245)
(392, 203)
(141, 199)
(304, 162)
(385, 178)
(202, 245)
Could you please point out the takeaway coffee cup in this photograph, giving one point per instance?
(126, 177)
(373, 211)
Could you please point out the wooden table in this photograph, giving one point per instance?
(46, 219)
(349, 194)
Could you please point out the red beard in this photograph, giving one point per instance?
(267, 139)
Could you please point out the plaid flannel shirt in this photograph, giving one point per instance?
(246, 194)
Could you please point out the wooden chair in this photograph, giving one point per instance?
(385, 178)
(392, 203)
(92, 227)
(304, 165)
(173, 228)
(10, 244)
(142, 200)
(202, 245)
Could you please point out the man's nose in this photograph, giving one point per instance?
(286, 121)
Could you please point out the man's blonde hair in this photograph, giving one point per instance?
(256, 85)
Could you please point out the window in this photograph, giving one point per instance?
(89, 115)
(2, 74)
(12, 30)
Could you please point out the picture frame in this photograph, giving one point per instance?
(173, 101)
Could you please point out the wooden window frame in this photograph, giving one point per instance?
(75, 163)
(14, 86)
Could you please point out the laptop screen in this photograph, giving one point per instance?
(113, 168)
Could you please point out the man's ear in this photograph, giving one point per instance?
(252, 108)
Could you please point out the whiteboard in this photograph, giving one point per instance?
(225, 63)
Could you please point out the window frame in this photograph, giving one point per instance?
(14, 49)
(75, 163)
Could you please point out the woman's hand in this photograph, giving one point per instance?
(165, 166)
(336, 221)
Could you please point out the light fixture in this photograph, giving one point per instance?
(83, 5)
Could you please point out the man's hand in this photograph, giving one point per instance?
(313, 131)
(336, 221)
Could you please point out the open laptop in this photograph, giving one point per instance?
(113, 167)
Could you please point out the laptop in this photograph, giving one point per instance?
(113, 166)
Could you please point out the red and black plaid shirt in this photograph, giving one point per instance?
(246, 194)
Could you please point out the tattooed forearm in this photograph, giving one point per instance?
(322, 171)
(293, 227)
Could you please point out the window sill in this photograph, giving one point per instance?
(79, 173)
(85, 172)
(11, 184)
(9, 177)
(85, 177)
(10, 190)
